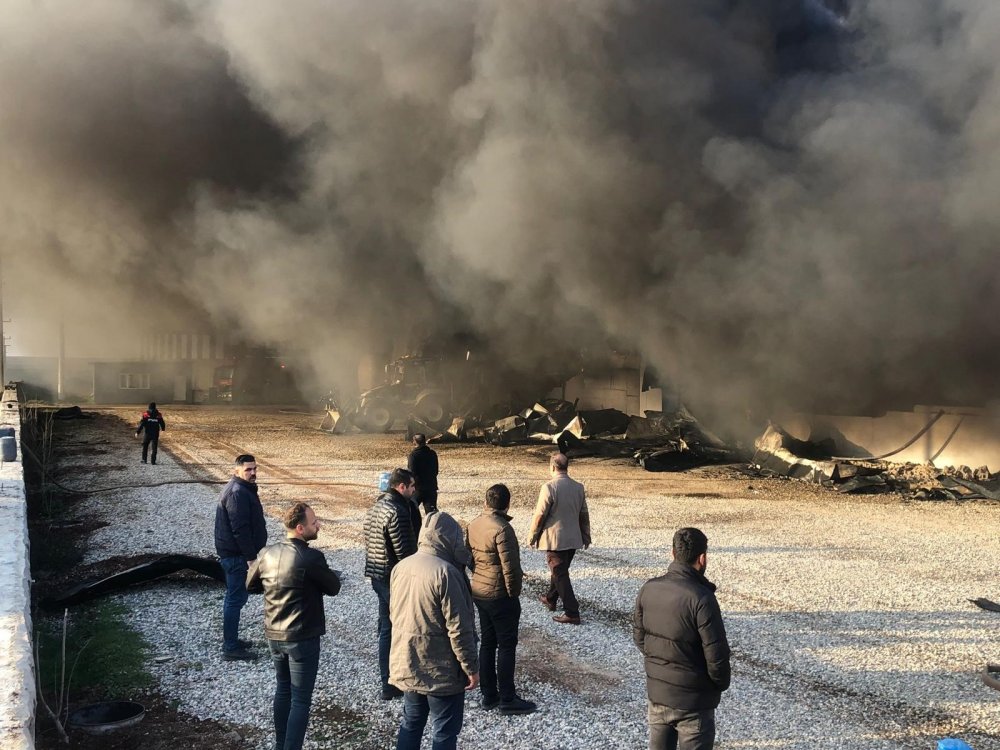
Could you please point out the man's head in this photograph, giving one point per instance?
(559, 463)
(420, 440)
(300, 522)
(498, 497)
(690, 546)
(152, 406)
(401, 480)
(246, 468)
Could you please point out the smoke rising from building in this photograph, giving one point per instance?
(778, 201)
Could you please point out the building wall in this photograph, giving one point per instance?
(615, 389)
(161, 382)
(40, 377)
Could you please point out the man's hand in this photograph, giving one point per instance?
(473, 682)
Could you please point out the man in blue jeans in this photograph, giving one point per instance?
(240, 533)
(434, 657)
(293, 577)
(391, 528)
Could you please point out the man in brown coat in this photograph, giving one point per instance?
(560, 527)
(496, 591)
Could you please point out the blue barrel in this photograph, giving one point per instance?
(383, 481)
(6, 432)
(952, 744)
(8, 448)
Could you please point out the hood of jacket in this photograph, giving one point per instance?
(442, 537)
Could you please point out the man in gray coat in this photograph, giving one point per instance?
(433, 657)
(561, 526)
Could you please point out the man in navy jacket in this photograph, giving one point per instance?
(150, 426)
(240, 534)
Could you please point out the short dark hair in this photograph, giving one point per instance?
(498, 497)
(689, 544)
(152, 406)
(245, 458)
(295, 515)
(420, 439)
(559, 462)
(400, 476)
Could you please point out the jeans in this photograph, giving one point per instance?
(670, 729)
(384, 629)
(498, 621)
(295, 667)
(236, 597)
(146, 443)
(560, 586)
(446, 712)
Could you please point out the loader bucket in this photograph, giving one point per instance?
(332, 421)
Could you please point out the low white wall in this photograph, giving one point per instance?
(17, 672)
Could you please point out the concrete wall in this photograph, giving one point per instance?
(975, 442)
(17, 680)
(616, 389)
(108, 390)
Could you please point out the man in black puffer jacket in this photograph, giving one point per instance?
(678, 627)
(293, 578)
(391, 528)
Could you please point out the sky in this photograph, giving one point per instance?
(776, 202)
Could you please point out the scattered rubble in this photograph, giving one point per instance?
(779, 454)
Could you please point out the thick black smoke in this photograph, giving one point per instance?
(778, 201)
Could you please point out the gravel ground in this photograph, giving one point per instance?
(847, 615)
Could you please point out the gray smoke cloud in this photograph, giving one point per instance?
(779, 202)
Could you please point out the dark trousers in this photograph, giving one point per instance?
(498, 621)
(670, 729)
(560, 586)
(148, 442)
(381, 589)
(295, 667)
(446, 713)
(236, 596)
(428, 499)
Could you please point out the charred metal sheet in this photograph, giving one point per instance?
(149, 571)
(986, 604)
(861, 484)
(457, 428)
(991, 676)
(604, 422)
(416, 426)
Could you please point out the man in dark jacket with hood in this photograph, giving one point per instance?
(423, 465)
(240, 533)
(391, 528)
(150, 426)
(434, 658)
(678, 627)
(293, 578)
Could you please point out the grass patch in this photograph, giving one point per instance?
(105, 656)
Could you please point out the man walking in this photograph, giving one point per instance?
(434, 636)
(678, 627)
(423, 464)
(496, 591)
(293, 578)
(240, 534)
(391, 528)
(150, 426)
(560, 527)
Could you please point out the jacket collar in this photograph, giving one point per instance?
(244, 483)
(295, 541)
(683, 570)
(499, 514)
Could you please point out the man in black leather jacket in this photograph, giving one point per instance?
(423, 465)
(391, 528)
(293, 578)
(678, 627)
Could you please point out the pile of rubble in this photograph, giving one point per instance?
(659, 441)
(780, 454)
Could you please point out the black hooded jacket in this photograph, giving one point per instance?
(678, 627)
(152, 422)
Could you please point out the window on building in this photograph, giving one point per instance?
(133, 380)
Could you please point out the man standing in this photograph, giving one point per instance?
(423, 464)
(150, 426)
(434, 636)
(240, 534)
(678, 627)
(561, 526)
(496, 591)
(391, 528)
(293, 578)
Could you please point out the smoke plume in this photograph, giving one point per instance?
(776, 201)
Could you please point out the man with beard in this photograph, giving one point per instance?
(293, 577)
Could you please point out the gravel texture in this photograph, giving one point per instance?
(848, 616)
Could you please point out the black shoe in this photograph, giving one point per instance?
(244, 644)
(391, 693)
(490, 703)
(144, 460)
(240, 654)
(153, 462)
(517, 706)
